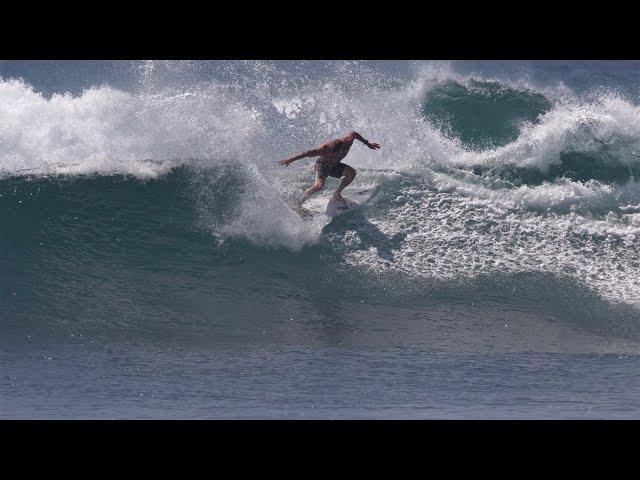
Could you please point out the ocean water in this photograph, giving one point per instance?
(151, 265)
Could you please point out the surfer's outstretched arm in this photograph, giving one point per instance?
(314, 152)
(372, 146)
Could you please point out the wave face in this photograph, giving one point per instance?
(154, 205)
(482, 114)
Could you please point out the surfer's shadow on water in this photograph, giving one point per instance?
(369, 234)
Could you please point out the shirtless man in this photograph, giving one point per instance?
(329, 165)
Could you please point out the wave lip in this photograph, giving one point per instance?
(597, 140)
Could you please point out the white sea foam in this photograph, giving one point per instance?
(106, 131)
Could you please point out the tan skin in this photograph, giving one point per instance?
(330, 152)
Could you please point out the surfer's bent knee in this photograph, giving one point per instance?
(350, 172)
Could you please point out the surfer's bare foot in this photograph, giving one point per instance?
(339, 198)
(301, 210)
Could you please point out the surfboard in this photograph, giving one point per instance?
(327, 205)
(335, 207)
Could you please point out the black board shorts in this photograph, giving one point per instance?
(324, 170)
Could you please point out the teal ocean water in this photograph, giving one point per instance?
(151, 266)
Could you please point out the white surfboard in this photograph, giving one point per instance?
(327, 205)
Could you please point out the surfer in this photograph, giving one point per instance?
(329, 165)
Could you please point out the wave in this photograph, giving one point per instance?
(90, 248)
(477, 176)
(594, 140)
(512, 131)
